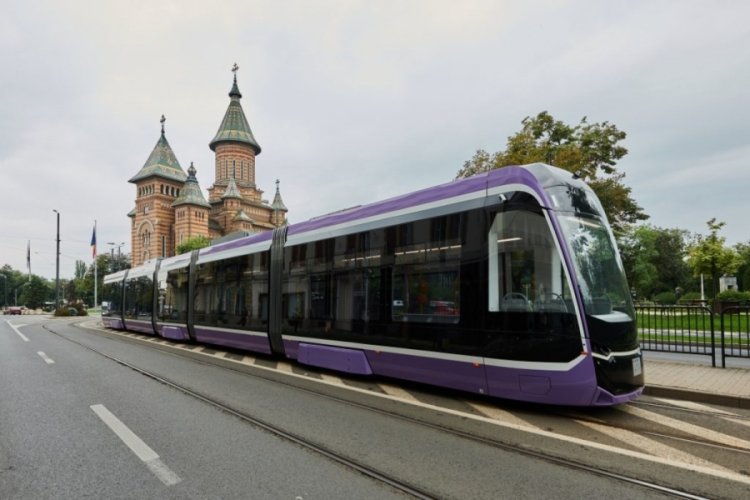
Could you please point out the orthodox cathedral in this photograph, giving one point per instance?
(170, 206)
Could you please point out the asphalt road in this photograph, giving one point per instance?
(75, 424)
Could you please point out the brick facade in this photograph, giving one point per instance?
(157, 227)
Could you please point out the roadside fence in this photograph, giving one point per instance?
(690, 329)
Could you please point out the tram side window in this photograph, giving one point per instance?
(426, 273)
(113, 299)
(139, 295)
(294, 289)
(229, 293)
(252, 300)
(356, 263)
(526, 272)
(203, 303)
(173, 295)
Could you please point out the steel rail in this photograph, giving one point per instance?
(339, 458)
(363, 468)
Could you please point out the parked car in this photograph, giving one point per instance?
(14, 310)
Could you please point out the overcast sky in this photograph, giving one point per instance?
(353, 102)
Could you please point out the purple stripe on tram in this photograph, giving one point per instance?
(335, 358)
(139, 326)
(443, 372)
(256, 343)
(173, 332)
(114, 323)
(575, 387)
(240, 242)
(478, 183)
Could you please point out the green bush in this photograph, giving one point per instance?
(733, 296)
(691, 296)
(71, 310)
(82, 311)
(665, 298)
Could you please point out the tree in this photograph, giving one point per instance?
(708, 255)
(80, 271)
(36, 293)
(654, 259)
(193, 243)
(743, 272)
(589, 149)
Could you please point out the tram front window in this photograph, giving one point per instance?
(601, 279)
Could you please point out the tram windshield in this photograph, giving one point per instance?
(601, 277)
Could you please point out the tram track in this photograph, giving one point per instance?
(357, 465)
(339, 458)
(663, 435)
(680, 409)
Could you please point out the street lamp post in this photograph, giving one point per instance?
(5, 289)
(112, 252)
(57, 264)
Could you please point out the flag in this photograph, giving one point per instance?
(93, 242)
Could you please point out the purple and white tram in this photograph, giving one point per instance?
(508, 283)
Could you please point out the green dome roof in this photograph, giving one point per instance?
(191, 193)
(232, 191)
(161, 163)
(234, 126)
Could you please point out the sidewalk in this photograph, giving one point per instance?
(697, 382)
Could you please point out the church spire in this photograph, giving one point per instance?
(234, 127)
(278, 203)
(191, 193)
(235, 92)
(232, 191)
(162, 162)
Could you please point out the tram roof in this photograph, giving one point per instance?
(457, 189)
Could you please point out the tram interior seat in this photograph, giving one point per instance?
(600, 305)
(550, 302)
(515, 302)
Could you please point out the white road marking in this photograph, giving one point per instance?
(397, 392)
(248, 360)
(651, 446)
(738, 421)
(691, 405)
(137, 446)
(331, 379)
(284, 367)
(501, 415)
(524, 427)
(25, 339)
(701, 432)
(46, 358)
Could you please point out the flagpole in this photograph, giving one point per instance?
(28, 258)
(96, 278)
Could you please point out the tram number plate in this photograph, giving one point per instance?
(637, 369)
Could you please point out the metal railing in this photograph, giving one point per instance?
(735, 333)
(697, 330)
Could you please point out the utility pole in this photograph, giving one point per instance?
(57, 265)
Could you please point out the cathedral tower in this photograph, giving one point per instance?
(158, 185)
(236, 202)
(170, 207)
(191, 210)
